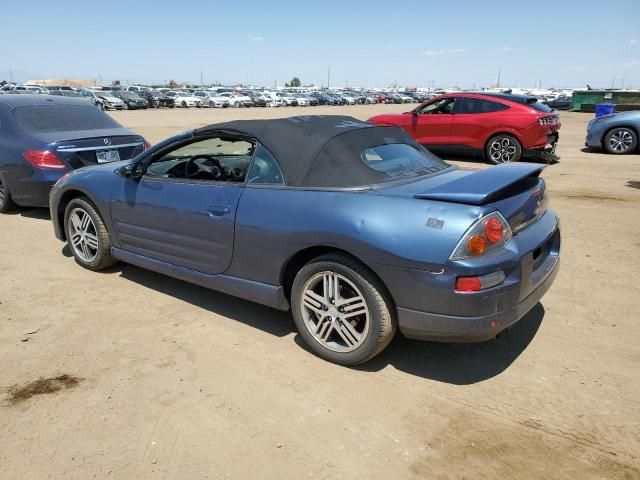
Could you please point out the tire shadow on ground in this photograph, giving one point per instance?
(460, 363)
(252, 314)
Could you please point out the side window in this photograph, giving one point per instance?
(439, 107)
(476, 105)
(217, 159)
(265, 168)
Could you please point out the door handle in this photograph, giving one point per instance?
(219, 210)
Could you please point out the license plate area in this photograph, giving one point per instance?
(107, 156)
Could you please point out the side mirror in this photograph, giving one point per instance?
(133, 170)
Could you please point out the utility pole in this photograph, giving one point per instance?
(613, 81)
(498, 85)
(328, 77)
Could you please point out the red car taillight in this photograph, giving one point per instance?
(551, 120)
(147, 145)
(44, 160)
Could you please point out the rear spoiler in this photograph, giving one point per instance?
(483, 186)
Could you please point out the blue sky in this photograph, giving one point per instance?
(366, 43)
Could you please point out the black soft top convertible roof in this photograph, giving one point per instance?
(321, 150)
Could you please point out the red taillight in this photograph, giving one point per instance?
(147, 145)
(468, 284)
(44, 160)
(493, 230)
(550, 120)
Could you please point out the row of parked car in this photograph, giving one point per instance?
(136, 97)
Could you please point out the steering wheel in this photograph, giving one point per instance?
(217, 170)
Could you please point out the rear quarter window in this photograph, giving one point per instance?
(62, 118)
(400, 160)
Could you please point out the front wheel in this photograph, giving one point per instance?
(6, 202)
(503, 149)
(620, 141)
(342, 310)
(87, 235)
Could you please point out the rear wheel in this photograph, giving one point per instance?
(6, 202)
(341, 309)
(503, 148)
(620, 141)
(87, 235)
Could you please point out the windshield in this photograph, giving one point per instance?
(62, 118)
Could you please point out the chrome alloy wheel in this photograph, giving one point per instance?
(502, 150)
(335, 312)
(83, 233)
(621, 140)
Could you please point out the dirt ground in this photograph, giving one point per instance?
(172, 381)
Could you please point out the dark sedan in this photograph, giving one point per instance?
(356, 228)
(152, 100)
(131, 100)
(44, 137)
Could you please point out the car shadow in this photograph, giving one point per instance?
(252, 314)
(460, 363)
(457, 363)
(591, 150)
(633, 184)
(32, 212)
(454, 363)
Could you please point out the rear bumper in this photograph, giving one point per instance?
(429, 308)
(445, 328)
(547, 151)
(33, 191)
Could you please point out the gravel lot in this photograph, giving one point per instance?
(155, 378)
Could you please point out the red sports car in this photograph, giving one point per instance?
(502, 126)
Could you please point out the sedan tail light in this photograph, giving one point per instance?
(488, 234)
(44, 160)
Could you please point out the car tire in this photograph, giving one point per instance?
(125, 106)
(318, 316)
(93, 249)
(6, 202)
(503, 148)
(184, 104)
(212, 105)
(620, 141)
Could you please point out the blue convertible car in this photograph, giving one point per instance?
(356, 228)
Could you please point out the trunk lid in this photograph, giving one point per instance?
(82, 152)
(515, 190)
